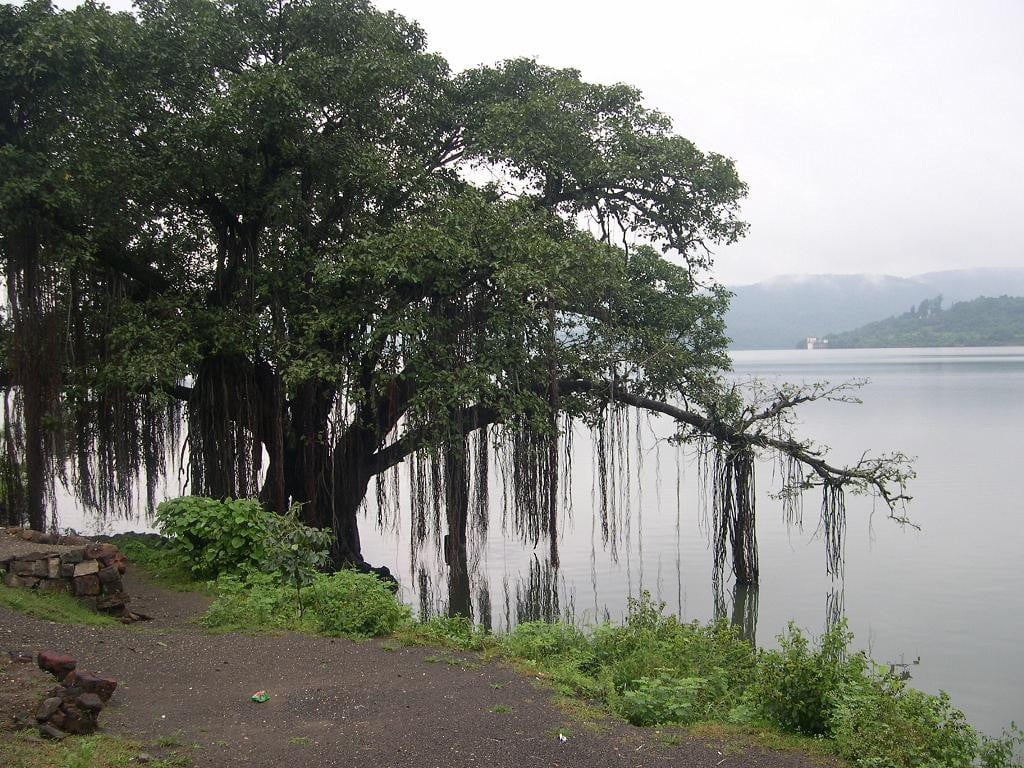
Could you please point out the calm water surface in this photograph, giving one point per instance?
(951, 594)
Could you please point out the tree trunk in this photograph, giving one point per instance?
(744, 533)
(457, 511)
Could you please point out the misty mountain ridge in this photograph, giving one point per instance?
(778, 312)
(982, 322)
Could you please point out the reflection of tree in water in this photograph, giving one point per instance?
(743, 614)
(835, 606)
(537, 596)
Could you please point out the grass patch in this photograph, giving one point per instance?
(501, 709)
(25, 750)
(52, 606)
(737, 739)
(160, 562)
(341, 604)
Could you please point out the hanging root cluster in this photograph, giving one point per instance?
(734, 513)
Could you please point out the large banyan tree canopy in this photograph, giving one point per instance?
(286, 228)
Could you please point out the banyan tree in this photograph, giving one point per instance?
(281, 244)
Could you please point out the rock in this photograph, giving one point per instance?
(51, 732)
(86, 568)
(86, 586)
(57, 664)
(24, 566)
(78, 721)
(53, 568)
(72, 540)
(103, 687)
(11, 580)
(89, 701)
(110, 575)
(101, 550)
(47, 708)
(143, 757)
(73, 557)
(20, 657)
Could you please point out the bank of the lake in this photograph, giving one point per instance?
(948, 595)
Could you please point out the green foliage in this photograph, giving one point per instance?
(295, 551)
(217, 537)
(880, 723)
(345, 603)
(24, 749)
(355, 605)
(797, 687)
(52, 606)
(256, 603)
(447, 631)
(1003, 751)
(661, 700)
(160, 560)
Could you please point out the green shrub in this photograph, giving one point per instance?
(355, 605)
(1000, 752)
(880, 723)
(216, 537)
(662, 700)
(259, 602)
(295, 552)
(658, 648)
(560, 650)
(798, 685)
(448, 631)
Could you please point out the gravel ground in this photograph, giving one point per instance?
(334, 702)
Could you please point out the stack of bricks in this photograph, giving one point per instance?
(92, 572)
(74, 706)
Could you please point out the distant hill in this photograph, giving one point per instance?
(982, 322)
(776, 313)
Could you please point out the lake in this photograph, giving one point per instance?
(950, 595)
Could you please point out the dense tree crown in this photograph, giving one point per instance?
(288, 228)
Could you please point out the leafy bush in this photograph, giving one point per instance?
(259, 602)
(295, 552)
(883, 724)
(662, 700)
(217, 537)
(448, 631)
(560, 650)
(798, 685)
(355, 605)
(346, 603)
(661, 650)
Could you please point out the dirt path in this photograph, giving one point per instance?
(336, 702)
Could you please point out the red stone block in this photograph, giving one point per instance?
(57, 664)
(103, 687)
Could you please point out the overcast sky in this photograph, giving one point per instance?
(882, 136)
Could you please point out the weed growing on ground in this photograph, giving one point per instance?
(345, 603)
